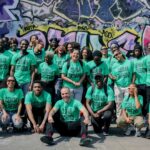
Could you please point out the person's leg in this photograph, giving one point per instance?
(17, 123)
(58, 86)
(78, 93)
(4, 123)
(118, 99)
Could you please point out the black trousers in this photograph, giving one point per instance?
(72, 128)
(103, 120)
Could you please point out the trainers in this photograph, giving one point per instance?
(85, 141)
(138, 132)
(105, 133)
(147, 135)
(47, 140)
(129, 130)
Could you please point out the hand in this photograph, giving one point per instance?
(113, 77)
(50, 119)
(41, 128)
(77, 83)
(86, 121)
(128, 120)
(36, 128)
(17, 118)
(135, 91)
(4, 117)
(99, 112)
(95, 115)
(30, 87)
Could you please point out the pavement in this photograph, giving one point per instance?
(115, 141)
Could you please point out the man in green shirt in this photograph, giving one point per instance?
(38, 104)
(69, 122)
(99, 102)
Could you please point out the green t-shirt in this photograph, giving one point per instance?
(107, 60)
(40, 57)
(69, 111)
(59, 61)
(38, 101)
(4, 66)
(140, 70)
(147, 61)
(48, 72)
(128, 104)
(99, 98)
(23, 67)
(123, 73)
(74, 72)
(11, 99)
(10, 53)
(102, 68)
(149, 108)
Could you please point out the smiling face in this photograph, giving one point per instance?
(84, 54)
(65, 94)
(131, 89)
(75, 55)
(10, 82)
(24, 45)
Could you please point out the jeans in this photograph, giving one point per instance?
(76, 93)
(58, 86)
(25, 88)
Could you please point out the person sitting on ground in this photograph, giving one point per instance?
(132, 112)
(10, 104)
(99, 102)
(68, 122)
(38, 105)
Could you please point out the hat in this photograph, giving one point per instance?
(97, 53)
(137, 46)
(114, 45)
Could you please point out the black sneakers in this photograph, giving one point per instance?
(85, 141)
(147, 134)
(47, 140)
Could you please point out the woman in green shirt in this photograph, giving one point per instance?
(11, 104)
(132, 112)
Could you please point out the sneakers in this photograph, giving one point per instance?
(47, 140)
(105, 133)
(147, 134)
(85, 141)
(129, 130)
(138, 132)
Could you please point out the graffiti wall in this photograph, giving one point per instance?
(89, 22)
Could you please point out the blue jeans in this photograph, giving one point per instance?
(25, 88)
(58, 86)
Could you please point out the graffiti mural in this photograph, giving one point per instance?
(92, 23)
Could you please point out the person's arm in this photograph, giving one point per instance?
(12, 70)
(112, 77)
(32, 76)
(133, 78)
(51, 114)
(19, 111)
(81, 80)
(85, 114)
(5, 114)
(137, 102)
(31, 117)
(47, 110)
(67, 79)
(107, 107)
(128, 119)
(90, 109)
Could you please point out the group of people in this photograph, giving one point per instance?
(66, 88)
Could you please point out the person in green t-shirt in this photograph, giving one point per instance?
(99, 102)
(73, 74)
(11, 104)
(53, 44)
(121, 74)
(49, 73)
(60, 57)
(132, 112)
(23, 67)
(69, 121)
(4, 62)
(139, 74)
(38, 105)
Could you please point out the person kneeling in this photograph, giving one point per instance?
(99, 102)
(131, 116)
(38, 105)
(69, 121)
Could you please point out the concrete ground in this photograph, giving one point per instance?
(115, 141)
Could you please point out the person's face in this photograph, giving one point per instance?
(118, 56)
(60, 50)
(10, 82)
(69, 48)
(65, 94)
(33, 39)
(75, 55)
(113, 49)
(97, 59)
(84, 54)
(23, 45)
(99, 83)
(48, 59)
(54, 44)
(137, 52)
(5, 42)
(13, 45)
(40, 46)
(104, 51)
(131, 89)
(37, 88)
